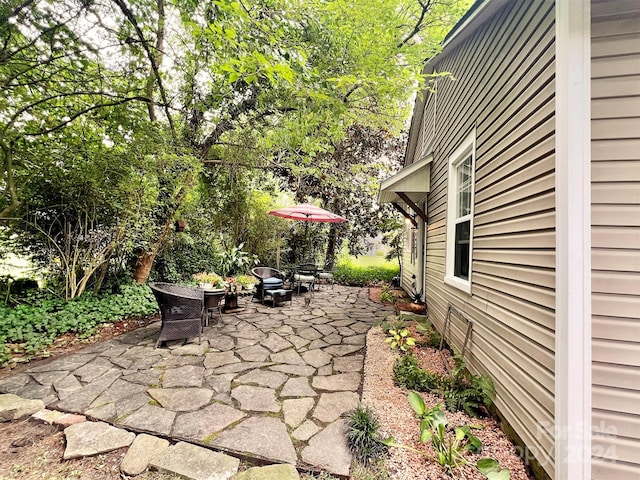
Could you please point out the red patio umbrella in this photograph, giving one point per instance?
(306, 212)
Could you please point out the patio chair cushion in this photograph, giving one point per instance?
(303, 278)
(271, 282)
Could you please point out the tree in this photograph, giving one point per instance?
(272, 84)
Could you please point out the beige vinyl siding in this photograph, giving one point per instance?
(615, 217)
(504, 88)
(428, 127)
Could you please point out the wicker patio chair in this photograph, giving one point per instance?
(182, 311)
(268, 279)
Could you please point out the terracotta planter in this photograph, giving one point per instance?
(418, 308)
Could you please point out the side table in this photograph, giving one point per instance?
(279, 296)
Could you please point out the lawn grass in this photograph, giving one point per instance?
(364, 270)
(369, 261)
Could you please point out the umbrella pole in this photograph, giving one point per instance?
(278, 250)
(306, 241)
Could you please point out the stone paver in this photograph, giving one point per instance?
(263, 437)
(332, 405)
(217, 359)
(316, 357)
(270, 472)
(269, 383)
(353, 363)
(297, 387)
(150, 418)
(263, 378)
(305, 431)
(186, 376)
(329, 450)
(204, 423)
(13, 407)
(341, 381)
(92, 438)
(197, 463)
(181, 399)
(143, 449)
(256, 399)
(295, 410)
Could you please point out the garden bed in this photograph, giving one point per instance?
(388, 402)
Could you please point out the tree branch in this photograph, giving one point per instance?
(154, 65)
(418, 26)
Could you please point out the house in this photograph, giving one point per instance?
(521, 187)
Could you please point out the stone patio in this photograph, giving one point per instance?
(264, 383)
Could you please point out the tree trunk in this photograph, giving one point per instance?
(144, 262)
(330, 255)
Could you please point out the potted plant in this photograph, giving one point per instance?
(209, 280)
(417, 304)
(247, 282)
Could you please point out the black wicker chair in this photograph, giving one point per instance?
(268, 279)
(182, 311)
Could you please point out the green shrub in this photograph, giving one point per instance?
(461, 390)
(408, 374)
(362, 435)
(431, 337)
(31, 327)
(400, 339)
(350, 274)
(466, 391)
(387, 295)
(396, 324)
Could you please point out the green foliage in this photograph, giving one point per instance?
(408, 374)
(266, 94)
(416, 296)
(185, 254)
(350, 274)
(396, 324)
(466, 391)
(362, 435)
(491, 469)
(30, 327)
(400, 339)
(430, 335)
(234, 261)
(386, 294)
(373, 470)
(461, 390)
(433, 427)
(246, 280)
(450, 444)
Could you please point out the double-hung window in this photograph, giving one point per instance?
(460, 215)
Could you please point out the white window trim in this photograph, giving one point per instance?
(468, 146)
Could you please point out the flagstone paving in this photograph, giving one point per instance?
(267, 383)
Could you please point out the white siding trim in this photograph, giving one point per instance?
(573, 246)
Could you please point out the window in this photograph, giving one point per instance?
(460, 215)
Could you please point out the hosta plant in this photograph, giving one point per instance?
(400, 339)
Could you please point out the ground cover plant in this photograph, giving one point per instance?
(30, 327)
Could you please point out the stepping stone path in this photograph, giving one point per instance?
(266, 383)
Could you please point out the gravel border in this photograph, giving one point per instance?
(389, 404)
